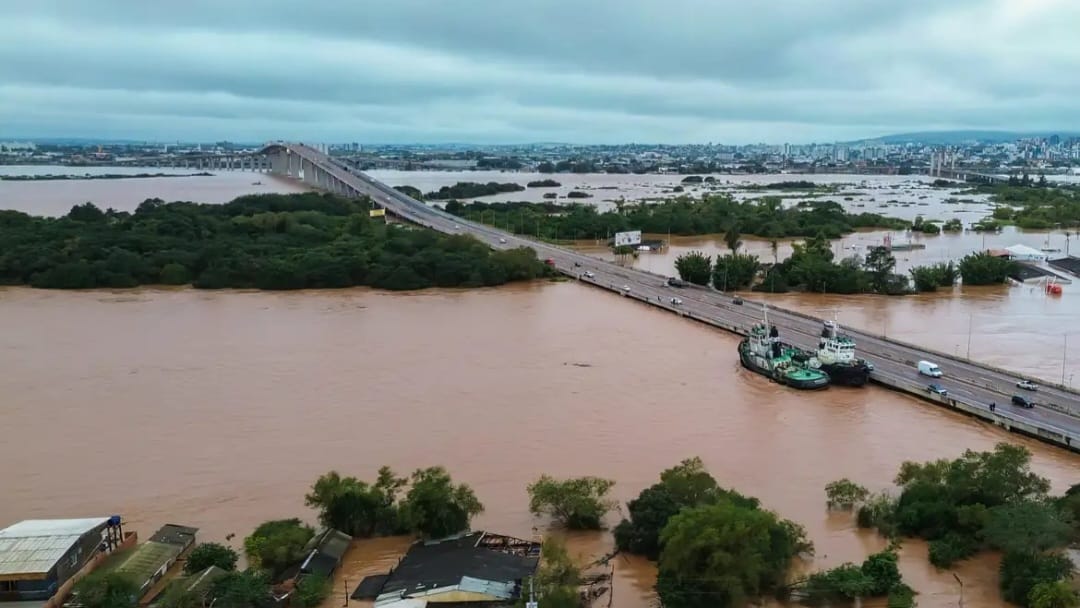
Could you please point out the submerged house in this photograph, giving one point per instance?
(474, 569)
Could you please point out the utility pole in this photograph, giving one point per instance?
(532, 597)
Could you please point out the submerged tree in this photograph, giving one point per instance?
(694, 267)
(435, 507)
(578, 503)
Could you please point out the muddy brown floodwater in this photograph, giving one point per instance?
(219, 409)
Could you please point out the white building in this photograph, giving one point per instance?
(1023, 253)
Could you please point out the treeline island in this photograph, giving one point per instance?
(67, 176)
(268, 241)
(714, 547)
(1026, 203)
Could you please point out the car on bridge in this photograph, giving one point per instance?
(936, 389)
(1022, 401)
(737, 301)
(502, 240)
(1027, 385)
(676, 302)
(588, 274)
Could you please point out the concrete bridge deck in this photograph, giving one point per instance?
(972, 386)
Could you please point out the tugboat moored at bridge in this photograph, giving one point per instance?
(762, 352)
(836, 357)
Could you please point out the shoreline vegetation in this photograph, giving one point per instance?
(85, 176)
(683, 216)
(981, 501)
(812, 268)
(268, 241)
(1033, 205)
(713, 547)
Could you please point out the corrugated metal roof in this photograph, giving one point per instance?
(498, 589)
(33, 546)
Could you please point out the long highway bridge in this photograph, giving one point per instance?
(971, 386)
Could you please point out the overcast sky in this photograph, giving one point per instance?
(512, 71)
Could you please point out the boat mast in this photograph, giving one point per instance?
(768, 336)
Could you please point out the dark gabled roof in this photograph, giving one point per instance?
(486, 557)
(325, 551)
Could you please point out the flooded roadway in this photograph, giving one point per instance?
(219, 409)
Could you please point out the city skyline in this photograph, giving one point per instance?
(411, 72)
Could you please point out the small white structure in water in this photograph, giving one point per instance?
(1025, 254)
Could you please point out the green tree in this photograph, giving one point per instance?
(175, 274)
(732, 239)
(434, 507)
(1026, 526)
(353, 506)
(984, 269)
(961, 506)
(1022, 572)
(247, 589)
(925, 278)
(880, 263)
(878, 576)
(953, 224)
(694, 267)
(86, 212)
(845, 494)
(107, 589)
(277, 544)
(579, 503)
(205, 555)
(844, 582)
(687, 484)
(311, 591)
(557, 579)
(724, 554)
(735, 271)
(1058, 594)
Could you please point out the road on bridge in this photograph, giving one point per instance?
(966, 380)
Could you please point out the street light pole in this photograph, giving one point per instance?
(1064, 352)
(970, 319)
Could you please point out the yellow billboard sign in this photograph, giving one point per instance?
(377, 213)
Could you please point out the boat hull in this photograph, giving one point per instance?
(805, 384)
(847, 375)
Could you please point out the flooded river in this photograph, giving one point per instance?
(218, 410)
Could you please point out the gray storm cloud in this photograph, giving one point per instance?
(497, 71)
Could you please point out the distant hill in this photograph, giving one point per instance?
(963, 137)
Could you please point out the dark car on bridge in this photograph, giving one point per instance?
(1022, 401)
(936, 389)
